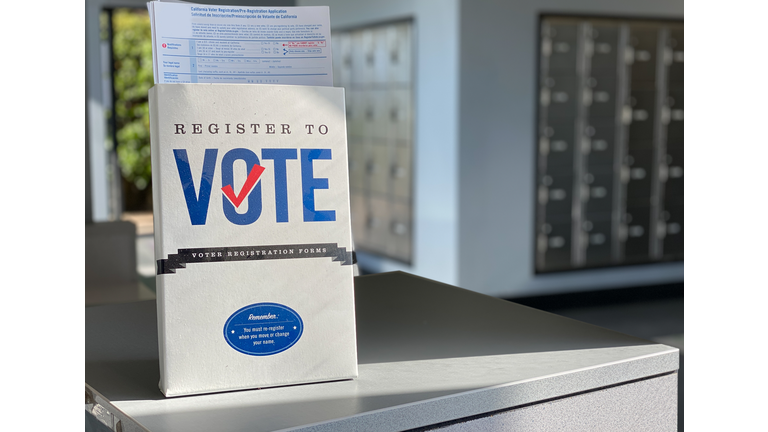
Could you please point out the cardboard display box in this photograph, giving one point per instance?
(252, 236)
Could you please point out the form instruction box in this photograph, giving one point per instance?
(194, 43)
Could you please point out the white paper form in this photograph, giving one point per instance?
(194, 43)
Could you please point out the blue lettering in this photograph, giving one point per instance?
(198, 200)
(309, 184)
(227, 178)
(197, 203)
(281, 179)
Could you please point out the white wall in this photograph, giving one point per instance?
(436, 130)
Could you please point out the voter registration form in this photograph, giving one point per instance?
(193, 43)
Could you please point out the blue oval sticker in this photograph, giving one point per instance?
(263, 329)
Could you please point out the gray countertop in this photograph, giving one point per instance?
(427, 352)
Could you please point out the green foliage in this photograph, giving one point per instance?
(132, 56)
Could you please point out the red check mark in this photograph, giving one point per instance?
(250, 182)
